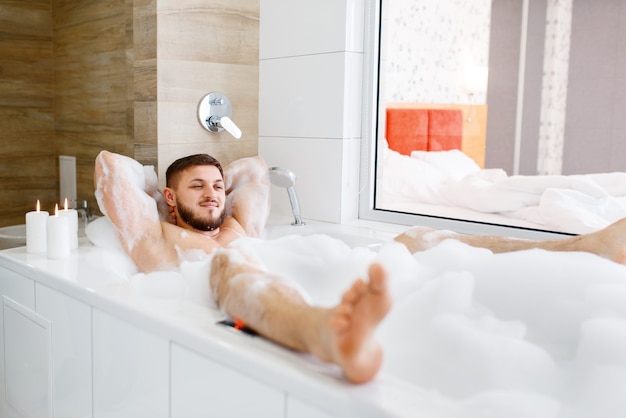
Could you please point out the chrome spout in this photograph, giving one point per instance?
(82, 207)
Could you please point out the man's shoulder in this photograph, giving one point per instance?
(233, 224)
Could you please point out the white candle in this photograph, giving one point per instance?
(58, 235)
(72, 219)
(36, 239)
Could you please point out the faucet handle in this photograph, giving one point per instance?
(228, 124)
(215, 112)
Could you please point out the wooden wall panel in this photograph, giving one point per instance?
(145, 82)
(27, 148)
(93, 110)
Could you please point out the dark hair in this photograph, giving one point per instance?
(190, 161)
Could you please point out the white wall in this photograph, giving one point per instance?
(310, 87)
(431, 47)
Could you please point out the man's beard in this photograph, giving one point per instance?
(201, 224)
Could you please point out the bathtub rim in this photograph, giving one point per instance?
(318, 385)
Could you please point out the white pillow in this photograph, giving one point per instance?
(408, 176)
(454, 162)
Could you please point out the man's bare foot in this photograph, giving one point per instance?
(352, 343)
(609, 242)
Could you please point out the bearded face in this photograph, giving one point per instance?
(199, 219)
(199, 197)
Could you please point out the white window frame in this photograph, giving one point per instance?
(367, 211)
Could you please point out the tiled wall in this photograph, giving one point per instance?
(64, 88)
(27, 148)
(105, 88)
(310, 102)
(92, 61)
(202, 47)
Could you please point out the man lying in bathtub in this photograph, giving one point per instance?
(201, 194)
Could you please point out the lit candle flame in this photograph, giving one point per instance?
(66, 203)
(56, 209)
(37, 205)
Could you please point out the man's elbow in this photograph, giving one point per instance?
(103, 160)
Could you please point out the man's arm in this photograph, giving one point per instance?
(248, 193)
(122, 193)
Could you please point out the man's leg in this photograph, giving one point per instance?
(343, 335)
(609, 242)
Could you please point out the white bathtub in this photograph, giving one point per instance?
(12, 236)
(15, 235)
(80, 341)
(527, 334)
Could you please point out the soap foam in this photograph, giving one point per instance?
(526, 334)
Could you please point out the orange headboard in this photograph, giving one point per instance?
(407, 130)
(434, 130)
(445, 129)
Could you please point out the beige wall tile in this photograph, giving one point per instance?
(206, 47)
(223, 31)
(225, 151)
(182, 84)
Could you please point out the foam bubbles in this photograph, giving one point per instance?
(529, 334)
(524, 334)
(322, 265)
(102, 234)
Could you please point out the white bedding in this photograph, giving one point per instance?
(432, 181)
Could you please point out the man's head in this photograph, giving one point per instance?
(195, 188)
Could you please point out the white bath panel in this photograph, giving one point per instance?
(202, 387)
(71, 351)
(17, 287)
(299, 409)
(130, 370)
(28, 361)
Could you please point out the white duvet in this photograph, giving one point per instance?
(574, 203)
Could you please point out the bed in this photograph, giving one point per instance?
(450, 184)
(432, 162)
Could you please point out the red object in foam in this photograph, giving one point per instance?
(407, 130)
(445, 129)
